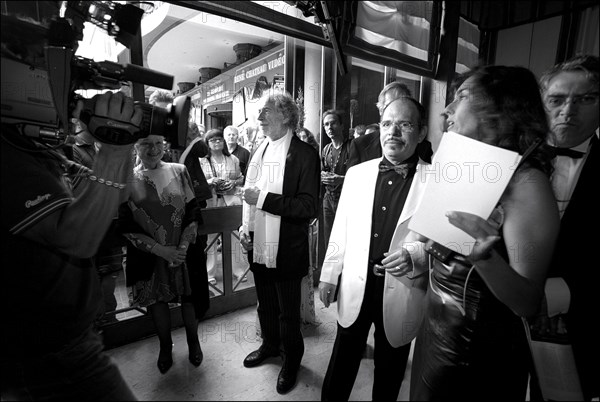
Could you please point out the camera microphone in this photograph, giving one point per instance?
(91, 74)
(149, 77)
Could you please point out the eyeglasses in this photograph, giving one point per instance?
(405, 126)
(560, 100)
(216, 140)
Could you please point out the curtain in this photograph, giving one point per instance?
(587, 39)
(467, 50)
(403, 26)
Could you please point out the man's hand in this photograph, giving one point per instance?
(326, 293)
(330, 178)
(246, 241)
(250, 195)
(397, 263)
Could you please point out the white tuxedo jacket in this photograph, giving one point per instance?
(348, 254)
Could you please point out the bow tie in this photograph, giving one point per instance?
(402, 169)
(567, 152)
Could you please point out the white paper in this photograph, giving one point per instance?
(465, 175)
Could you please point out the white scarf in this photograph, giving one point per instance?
(266, 171)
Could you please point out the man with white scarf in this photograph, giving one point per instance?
(281, 196)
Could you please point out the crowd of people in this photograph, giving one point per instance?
(468, 321)
(467, 315)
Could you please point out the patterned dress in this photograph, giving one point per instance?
(158, 207)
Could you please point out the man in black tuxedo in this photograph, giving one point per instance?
(281, 197)
(364, 148)
(570, 94)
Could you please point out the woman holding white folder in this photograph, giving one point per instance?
(471, 344)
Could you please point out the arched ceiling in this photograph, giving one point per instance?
(184, 40)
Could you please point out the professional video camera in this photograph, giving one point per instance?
(40, 74)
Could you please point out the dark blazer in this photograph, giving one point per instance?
(192, 162)
(575, 261)
(298, 204)
(243, 156)
(364, 148)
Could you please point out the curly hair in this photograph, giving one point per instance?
(285, 103)
(508, 104)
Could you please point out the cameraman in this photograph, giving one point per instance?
(50, 290)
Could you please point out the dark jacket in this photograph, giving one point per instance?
(574, 261)
(243, 156)
(298, 204)
(192, 163)
(364, 148)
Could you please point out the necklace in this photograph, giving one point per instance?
(333, 164)
(220, 164)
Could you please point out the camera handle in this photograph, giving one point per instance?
(110, 131)
(59, 63)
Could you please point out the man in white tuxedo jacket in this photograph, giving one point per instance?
(371, 261)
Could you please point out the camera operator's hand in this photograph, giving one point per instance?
(114, 106)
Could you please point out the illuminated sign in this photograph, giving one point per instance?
(269, 65)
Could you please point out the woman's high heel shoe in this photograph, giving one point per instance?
(196, 356)
(165, 360)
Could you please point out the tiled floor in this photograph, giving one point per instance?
(226, 340)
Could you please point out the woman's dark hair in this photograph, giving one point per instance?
(215, 132)
(310, 138)
(508, 104)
